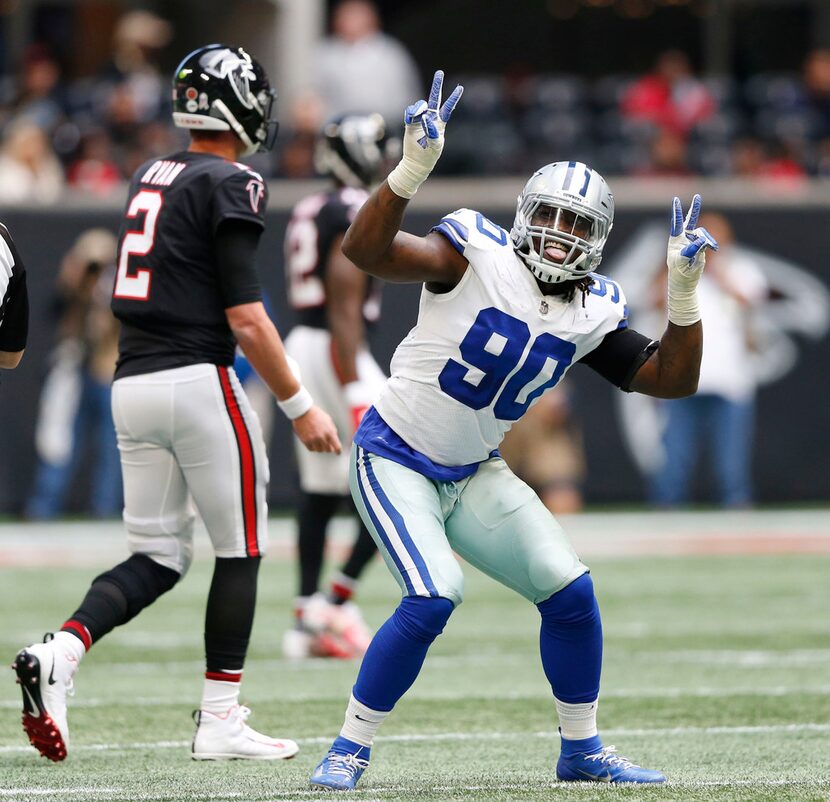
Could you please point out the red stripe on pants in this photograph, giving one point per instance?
(246, 464)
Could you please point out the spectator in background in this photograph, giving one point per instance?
(668, 155)
(545, 450)
(131, 92)
(752, 157)
(133, 73)
(75, 399)
(360, 68)
(720, 416)
(29, 170)
(296, 150)
(39, 95)
(93, 170)
(670, 96)
(815, 97)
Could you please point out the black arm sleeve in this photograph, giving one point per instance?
(620, 355)
(235, 246)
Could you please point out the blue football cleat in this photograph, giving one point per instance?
(589, 761)
(342, 767)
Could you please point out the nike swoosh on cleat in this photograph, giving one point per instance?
(52, 679)
(31, 706)
(600, 778)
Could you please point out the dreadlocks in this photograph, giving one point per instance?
(568, 289)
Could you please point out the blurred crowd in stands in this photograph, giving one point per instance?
(91, 133)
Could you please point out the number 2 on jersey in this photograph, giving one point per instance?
(494, 346)
(136, 286)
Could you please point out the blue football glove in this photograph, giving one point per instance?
(686, 258)
(423, 138)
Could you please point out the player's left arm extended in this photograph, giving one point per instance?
(374, 241)
(672, 371)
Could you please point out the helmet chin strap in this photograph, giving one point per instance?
(250, 146)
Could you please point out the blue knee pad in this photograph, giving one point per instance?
(574, 604)
(398, 650)
(423, 618)
(570, 641)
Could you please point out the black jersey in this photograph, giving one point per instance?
(167, 292)
(14, 300)
(315, 223)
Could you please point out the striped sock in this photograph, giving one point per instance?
(341, 589)
(220, 691)
(81, 633)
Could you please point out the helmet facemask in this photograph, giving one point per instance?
(563, 218)
(560, 242)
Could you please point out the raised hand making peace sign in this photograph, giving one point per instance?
(686, 258)
(423, 138)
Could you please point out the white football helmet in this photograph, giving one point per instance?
(563, 218)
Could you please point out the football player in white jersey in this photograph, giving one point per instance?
(502, 318)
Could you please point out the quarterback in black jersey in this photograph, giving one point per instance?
(186, 293)
(14, 303)
(335, 302)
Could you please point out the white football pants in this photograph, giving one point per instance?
(312, 348)
(189, 435)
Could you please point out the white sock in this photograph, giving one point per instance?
(362, 723)
(577, 721)
(72, 647)
(218, 696)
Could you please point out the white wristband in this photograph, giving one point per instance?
(296, 406)
(404, 180)
(683, 307)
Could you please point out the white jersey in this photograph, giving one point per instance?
(483, 353)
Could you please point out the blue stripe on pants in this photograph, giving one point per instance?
(398, 523)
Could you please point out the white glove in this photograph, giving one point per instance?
(686, 259)
(423, 138)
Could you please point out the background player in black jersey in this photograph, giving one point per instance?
(186, 292)
(14, 303)
(334, 302)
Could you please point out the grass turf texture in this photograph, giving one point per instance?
(717, 671)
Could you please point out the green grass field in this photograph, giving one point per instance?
(717, 671)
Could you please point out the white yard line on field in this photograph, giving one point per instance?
(520, 787)
(734, 658)
(655, 732)
(424, 695)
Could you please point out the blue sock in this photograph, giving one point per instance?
(398, 649)
(343, 746)
(588, 745)
(570, 641)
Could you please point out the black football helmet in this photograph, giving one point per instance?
(221, 88)
(352, 148)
